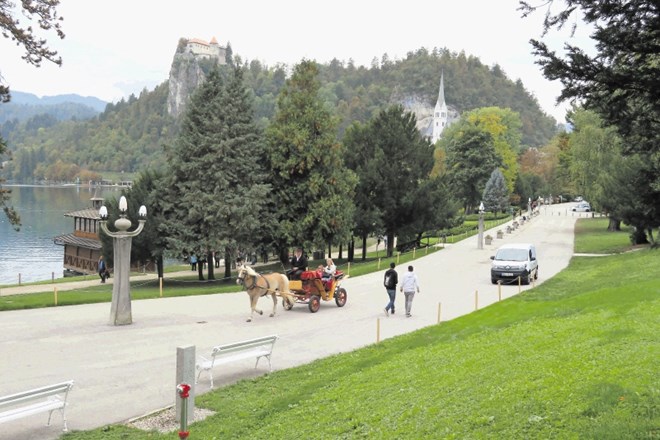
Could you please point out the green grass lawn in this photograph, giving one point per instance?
(575, 358)
(592, 237)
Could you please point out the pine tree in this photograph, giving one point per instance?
(496, 193)
(215, 198)
(312, 187)
(393, 161)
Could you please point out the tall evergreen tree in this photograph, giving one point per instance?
(393, 161)
(312, 187)
(215, 198)
(620, 80)
(496, 193)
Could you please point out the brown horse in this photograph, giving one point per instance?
(258, 285)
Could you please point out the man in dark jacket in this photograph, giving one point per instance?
(298, 265)
(390, 281)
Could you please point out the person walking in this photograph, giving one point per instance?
(390, 281)
(409, 285)
(102, 269)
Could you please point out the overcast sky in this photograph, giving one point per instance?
(114, 48)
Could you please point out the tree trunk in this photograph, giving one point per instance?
(340, 251)
(364, 246)
(227, 263)
(209, 259)
(329, 250)
(351, 249)
(390, 244)
(200, 269)
(614, 225)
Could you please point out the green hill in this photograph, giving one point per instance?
(129, 136)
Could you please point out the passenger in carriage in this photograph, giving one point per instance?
(329, 272)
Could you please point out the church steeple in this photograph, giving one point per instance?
(440, 113)
(441, 93)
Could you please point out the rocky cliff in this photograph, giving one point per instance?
(186, 74)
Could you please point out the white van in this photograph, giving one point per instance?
(514, 260)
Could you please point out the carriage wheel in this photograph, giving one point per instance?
(314, 303)
(340, 297)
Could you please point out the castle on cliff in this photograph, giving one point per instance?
(202, 49)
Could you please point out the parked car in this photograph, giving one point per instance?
(515, 260)
(582, 207)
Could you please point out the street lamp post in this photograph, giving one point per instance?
(480, 235)
(120, 311)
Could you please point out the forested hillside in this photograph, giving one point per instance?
(129, 136)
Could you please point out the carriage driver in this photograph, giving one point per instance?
(298, 265)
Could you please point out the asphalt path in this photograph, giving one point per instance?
(123, 372)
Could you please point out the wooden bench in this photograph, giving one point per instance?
(224, 354)
(38, 400)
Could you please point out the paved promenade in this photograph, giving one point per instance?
(124, 372)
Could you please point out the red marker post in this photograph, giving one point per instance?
(184, 392)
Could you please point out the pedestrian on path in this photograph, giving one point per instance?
(390, 281)
(409, 286)
(102, 269)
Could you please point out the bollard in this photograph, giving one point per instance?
(476, 300)
(439, 309)
(379, 264)
(184, 390)
(414, 249)
(185, 374)
(377, 330)
(19, 278)
(160, 283)
(499, 290)
(52, 277)
(398, 256)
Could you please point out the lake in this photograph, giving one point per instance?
(31, 251)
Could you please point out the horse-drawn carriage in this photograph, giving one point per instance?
(311, 289)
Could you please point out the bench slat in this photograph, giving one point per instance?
(35, 408)
(46, 399)
(226, 353)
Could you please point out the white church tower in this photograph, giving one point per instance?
(441, 113)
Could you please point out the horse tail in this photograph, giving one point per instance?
(284, 289)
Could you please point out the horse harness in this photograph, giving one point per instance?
(254, 284)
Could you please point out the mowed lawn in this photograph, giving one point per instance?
(575, 358)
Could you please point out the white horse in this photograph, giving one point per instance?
(258, 285)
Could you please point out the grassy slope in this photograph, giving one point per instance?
(574, 358)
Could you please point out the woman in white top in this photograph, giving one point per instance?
(330, 269)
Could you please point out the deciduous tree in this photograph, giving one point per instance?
(470, 158)
(44, 12)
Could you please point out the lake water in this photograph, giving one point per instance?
(31, 251)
